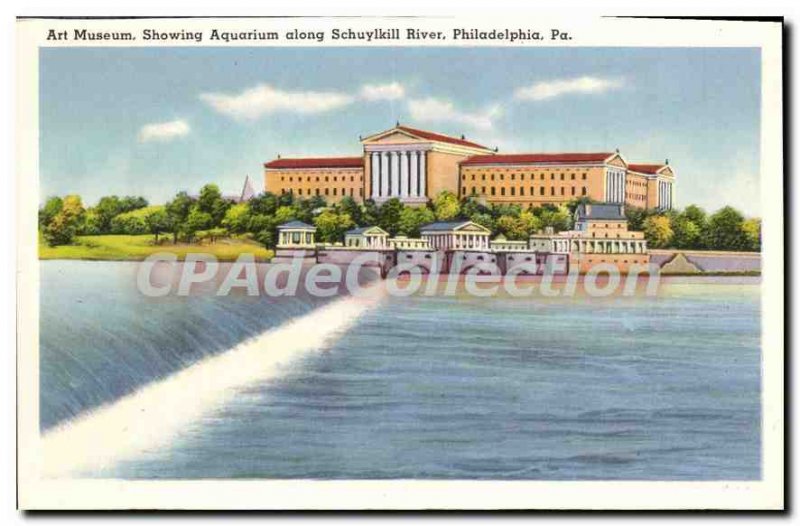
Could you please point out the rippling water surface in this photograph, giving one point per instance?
(435, 387)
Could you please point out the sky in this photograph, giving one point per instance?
(155, 121)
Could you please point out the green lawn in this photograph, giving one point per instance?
(134, 248)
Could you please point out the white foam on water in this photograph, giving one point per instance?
(154, 415)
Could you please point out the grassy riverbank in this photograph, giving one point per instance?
(135, 248)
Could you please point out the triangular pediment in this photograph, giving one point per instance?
(666, 170)
(617, 160)
(472, 227)
(375, 231)
(393, 136)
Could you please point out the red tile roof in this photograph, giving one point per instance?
(441, 138)
(535, 158)
(317, 162)
(645, 168)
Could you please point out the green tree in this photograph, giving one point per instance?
(107, 208)
(131, 223)
(557, 217)
(178, 212)
(636, 217)
(389, 215)
(446, 206)
(349, 206)
(411, 218)
(471, 207)
(51, 207)
(91, 224)
(263, 204)
(237, 218)
(752, 229)
(369, 213)
(63, 227)
(511, 227)
(129, 203)
(211, 202)
(725, 232)
(284, 214)
(686, 234)
(518, 228)
(331, 225)
(696, 215)
(657, 231)
(198, 220)
(483, 219)
(157, 222)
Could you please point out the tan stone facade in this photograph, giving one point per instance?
(416, 165)
(331, 182)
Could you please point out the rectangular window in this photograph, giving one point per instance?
(473, 191)
(573, 190)
(502, 190)
(583, 191)
(493, 190)
(562, 190)
(541, 190)
(463, 190)
(552, 190)
(521, 190)
(512, 191)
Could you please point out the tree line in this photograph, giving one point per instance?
(209, 216)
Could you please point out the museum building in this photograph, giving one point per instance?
(416, 165)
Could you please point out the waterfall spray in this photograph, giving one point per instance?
(153, 416)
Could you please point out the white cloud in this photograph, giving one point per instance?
(739, 188)
(263, 99)
(391, 91)
(551, 89)
(163, 131)
(437, 110)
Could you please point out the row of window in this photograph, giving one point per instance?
(512, 191)
(522, 177)
(324, 191)
(308, 178)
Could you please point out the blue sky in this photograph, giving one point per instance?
(153, 121)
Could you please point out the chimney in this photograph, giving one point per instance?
(279, 156)
(666, 161)
(462, 137)
(396, 124)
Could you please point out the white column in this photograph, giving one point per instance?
(384, 174)
(413, 188)
(395, 160)
(423, 175)
(403, 160)
(375, 173)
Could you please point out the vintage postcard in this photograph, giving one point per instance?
(400, 263)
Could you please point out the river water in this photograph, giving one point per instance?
(661, 388)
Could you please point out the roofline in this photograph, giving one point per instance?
(406, 130)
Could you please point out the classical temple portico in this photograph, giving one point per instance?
(398, 171)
